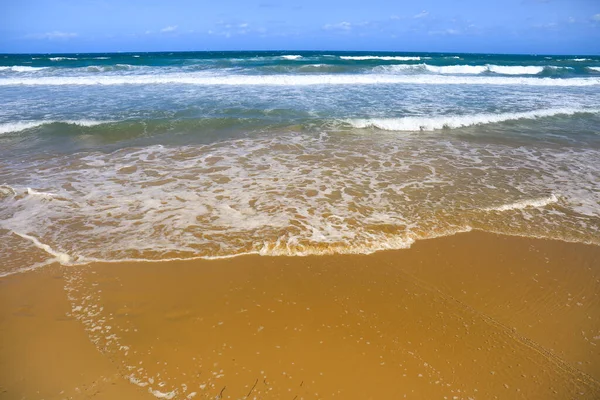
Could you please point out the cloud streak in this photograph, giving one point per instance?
(168, 29)
(54, 35)
(341, 26)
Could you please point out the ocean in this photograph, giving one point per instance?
(162, 156)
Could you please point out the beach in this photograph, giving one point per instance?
(299, 225)
(473, 315)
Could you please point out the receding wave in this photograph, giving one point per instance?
(456, 121)
(24, 125)
(294, 80)
(293, 194)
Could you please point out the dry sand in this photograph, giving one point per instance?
(474, 315)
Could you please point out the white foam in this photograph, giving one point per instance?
(581, 59)
(61, 58)
(22, 68)
(23, 125)
(457, 69)
(468, 69)
(383, 58)
(479, 69)
(101, 58)
(595, 69)
(62, 258)
(457, 121)
(520, 205)
(294, 80)
(33, 192)
(295, 194)
(163, 395)
(291, 57)
(137, 381)
(515, 70)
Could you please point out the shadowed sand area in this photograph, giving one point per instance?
(474, 315)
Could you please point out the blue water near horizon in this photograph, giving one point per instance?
(113, 156)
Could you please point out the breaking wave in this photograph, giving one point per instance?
(24, 125)
(383, 58)
(456, 121)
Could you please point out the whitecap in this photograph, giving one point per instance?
(456, 121)
(24, 125)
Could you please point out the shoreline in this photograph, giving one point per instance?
(472, 315)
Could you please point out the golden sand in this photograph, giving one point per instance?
(474, 315)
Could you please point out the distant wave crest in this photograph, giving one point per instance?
(21, 68)
(383, 58)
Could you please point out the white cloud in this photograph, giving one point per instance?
(422, 14)
(244, 25)
(53, 35)
(167, 29)
(343, 26)
(572, 20)
(596, 17)
(445, 32)
(549, 25)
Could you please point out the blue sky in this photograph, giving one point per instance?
(508, 26)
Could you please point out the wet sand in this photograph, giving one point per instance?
(475, 315)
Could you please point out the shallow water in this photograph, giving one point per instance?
(156, 156)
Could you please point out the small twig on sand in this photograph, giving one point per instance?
(248, 395)
(220, 396)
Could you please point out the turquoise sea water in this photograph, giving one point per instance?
(153, 156)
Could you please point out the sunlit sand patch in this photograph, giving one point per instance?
(341, 326)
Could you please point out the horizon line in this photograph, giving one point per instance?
(304, 50)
